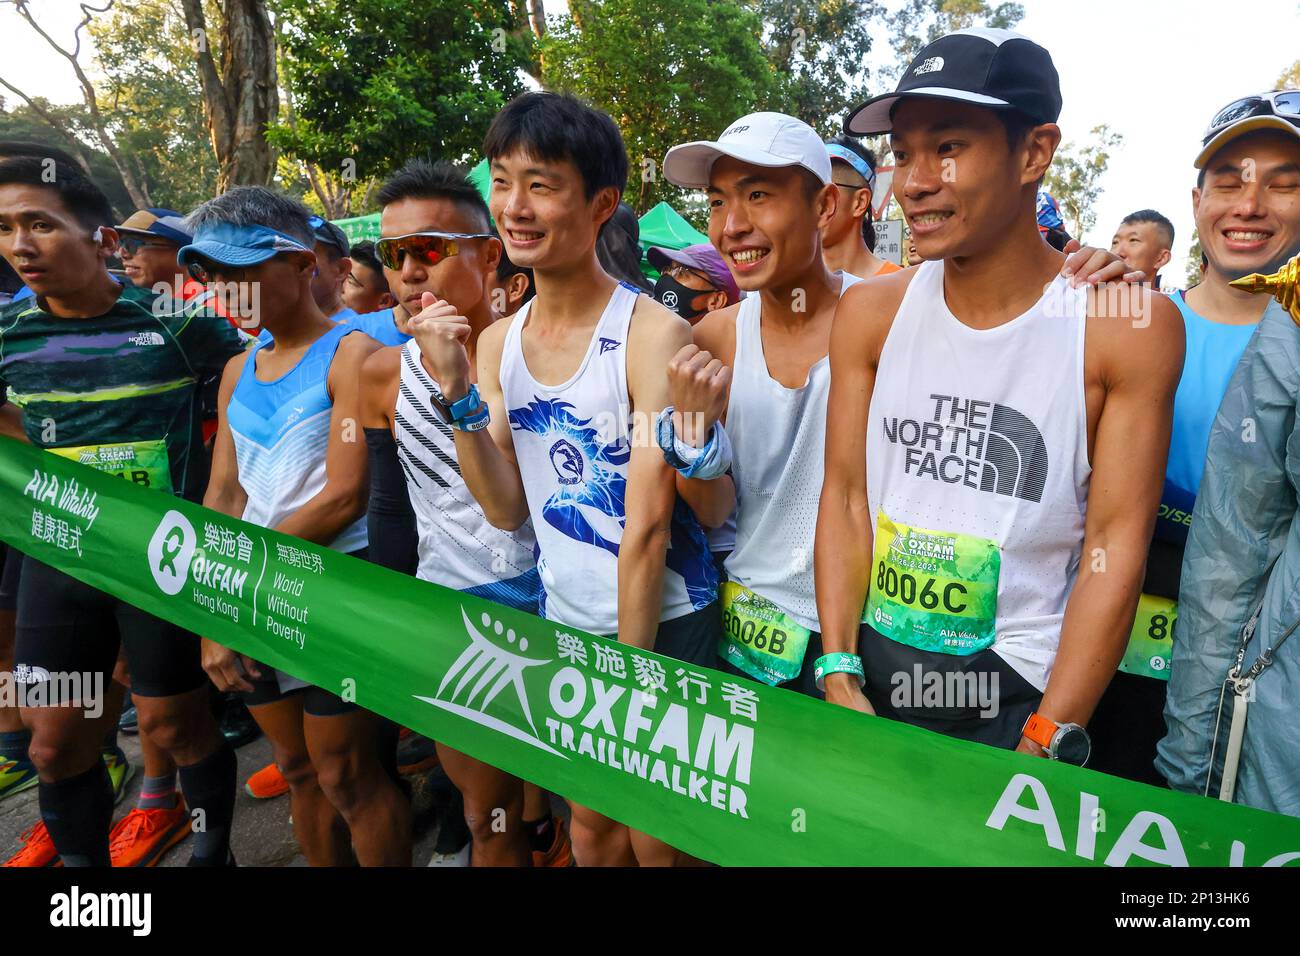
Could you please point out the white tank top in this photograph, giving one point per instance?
(458, 547)
(573, 443)
(778, 438)
(981, 436)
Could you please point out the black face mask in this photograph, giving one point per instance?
(673, 295)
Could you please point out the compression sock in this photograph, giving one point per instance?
(158, 793)
(13, 744)
(77, 812)
(541, 833)
(209, 789)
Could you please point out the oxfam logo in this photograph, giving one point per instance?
(170, 551)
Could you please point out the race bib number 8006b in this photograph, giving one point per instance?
(933, 590)
(143, 462)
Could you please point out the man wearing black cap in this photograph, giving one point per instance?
(995, 443)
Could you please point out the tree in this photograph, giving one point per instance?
(1075, 178)
(376, 81)
(150, 89)
(667, 71)
(919, 22)
(128, 166)
(818, 50)
(240, 97)
(1194, 260)
(1290, 79)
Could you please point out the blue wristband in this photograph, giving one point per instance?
(470, 413)
(711, 461)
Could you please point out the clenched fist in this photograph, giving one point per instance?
(699, 385)
(442, 334)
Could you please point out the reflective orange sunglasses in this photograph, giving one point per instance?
(427, 247)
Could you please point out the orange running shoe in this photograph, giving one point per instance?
(561, 850)
(142, 837)
(37, 850)
(266, 783)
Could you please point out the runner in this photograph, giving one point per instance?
(333, 266)
(633, 562)
(692, 281)
(995, 437)
(365, 289)
(437, 531)
(849, 237)
(512, 285)
(1241, 550)
(282, 461)
(761, 368)
(1144, 240)
(142, 401)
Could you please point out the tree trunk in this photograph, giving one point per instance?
(241, 98)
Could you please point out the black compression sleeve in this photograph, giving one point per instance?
(394, 541)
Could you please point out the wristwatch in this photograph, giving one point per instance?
(470, 413)
(1068, 743)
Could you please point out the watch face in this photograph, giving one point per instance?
(1073, 746)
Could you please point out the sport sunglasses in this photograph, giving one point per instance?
(429, 248)
(1284, 104)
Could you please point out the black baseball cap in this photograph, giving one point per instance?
(330, 234)
(999, 69)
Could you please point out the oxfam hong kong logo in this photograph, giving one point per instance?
(170, 551)
(567, 462)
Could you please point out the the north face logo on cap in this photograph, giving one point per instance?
(932, 64)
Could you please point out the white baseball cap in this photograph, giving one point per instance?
(762, 139)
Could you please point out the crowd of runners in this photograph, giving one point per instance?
(983, 463)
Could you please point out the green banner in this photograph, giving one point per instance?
(730, 770)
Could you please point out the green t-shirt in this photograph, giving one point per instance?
(119, 391)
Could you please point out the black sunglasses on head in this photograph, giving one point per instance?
(1284, 104)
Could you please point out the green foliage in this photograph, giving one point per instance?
(149, 94)
(1075, 178)
(1194, 261)
(1290, 79)
(23, 123)
(373, 82)
(818, 50)
(919, 22)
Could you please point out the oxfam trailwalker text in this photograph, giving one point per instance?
(732, 771)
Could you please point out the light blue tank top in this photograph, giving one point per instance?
(1213, 350)
(281, 430)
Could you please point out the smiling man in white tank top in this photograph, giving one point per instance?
(551, 436)
(996, 438)
(760, 370)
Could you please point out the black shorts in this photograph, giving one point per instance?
(11, 569)
(899, 676)
(316, 701)
(64, 625)
(691, 638)
(1126, 726)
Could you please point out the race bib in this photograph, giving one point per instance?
(1150, 643)
(143, 462)
(933, 590)
(759, 638)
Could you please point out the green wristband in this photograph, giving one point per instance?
(838, 663)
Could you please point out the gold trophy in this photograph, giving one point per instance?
(1284, 285)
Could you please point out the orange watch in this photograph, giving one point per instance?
(1068, 743)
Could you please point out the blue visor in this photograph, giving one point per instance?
(232, 245)
(836, 151)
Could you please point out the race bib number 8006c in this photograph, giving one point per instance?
(933, 590)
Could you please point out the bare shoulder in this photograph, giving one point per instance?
(716, 332)
(656, 328)
(381, 367)
(866, 311)
(491, 341)
(1134, 331)
(356, 346)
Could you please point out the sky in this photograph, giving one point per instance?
(1154, 70)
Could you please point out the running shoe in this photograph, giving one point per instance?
(37, 849)
(560, 852)
(142, 837)
(16, 775)
(266, 783)
(237, 724)
(120, 772)
(129, 722)
(415, 754)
